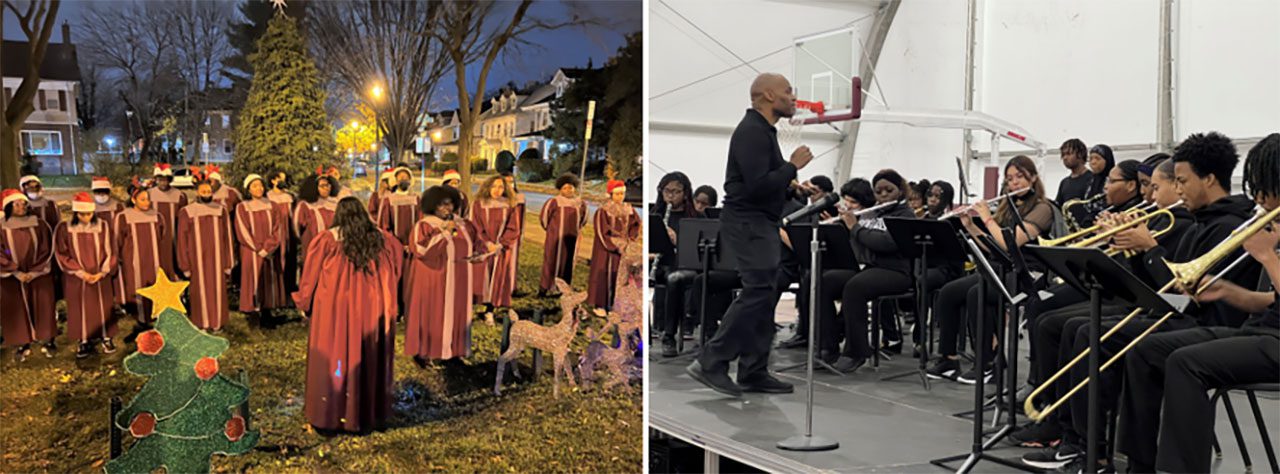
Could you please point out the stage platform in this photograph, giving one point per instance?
(882, 426)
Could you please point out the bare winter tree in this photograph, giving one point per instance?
(477, 32)
(200, 45)
(387, 44)
(36, 18)
(133, 46)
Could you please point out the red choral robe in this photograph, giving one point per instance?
(82, 250)
(352, 340)
(520, 214)
(284, 203)
(26, 245)
(311, 219)
(260, 229)
(495, 222)
(167, 204)
(140, 236)
(107, 212)
(205, 256)
(613, 223)
(229, 198)
(563, 219)
(438, 306)
(397, 214)
(375, 200)
(46, 210)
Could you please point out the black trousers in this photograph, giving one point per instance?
(957, 303)
(1112, 379)
(787, 276)
(1056, 329)
(863, 287)
(1063, 296)
(674, 296)
(746, 334)
(1180, 367)
(720, 286)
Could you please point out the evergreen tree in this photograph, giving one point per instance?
(624, 96)
(244, 36)
(283, 123)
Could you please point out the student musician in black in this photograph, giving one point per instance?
(675, 204)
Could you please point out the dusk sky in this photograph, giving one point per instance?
(570, 47)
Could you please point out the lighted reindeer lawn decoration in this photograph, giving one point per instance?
(552, 340)
(620, 361)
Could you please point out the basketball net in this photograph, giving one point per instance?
(791, 130)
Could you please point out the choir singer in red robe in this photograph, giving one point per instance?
(493, 215)
(86, 253)
(314, 214)
(167, 199)
(349, 289)
(616, 224)
(438, 305)
(142, 241)
(261, 231)
(563, 217)
(26, 279)
(205, 257)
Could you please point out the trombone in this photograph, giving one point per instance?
(1185, 275)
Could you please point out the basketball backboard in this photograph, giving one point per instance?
(826, 76)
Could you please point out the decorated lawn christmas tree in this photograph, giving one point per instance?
(188, 410)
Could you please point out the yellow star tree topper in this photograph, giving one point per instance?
(165, 294)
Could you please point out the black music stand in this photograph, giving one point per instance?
(712, 212)
(659, 241)
(698, 248)
(1091, 271)
(917, 239)
(978, 449)
(832, 239)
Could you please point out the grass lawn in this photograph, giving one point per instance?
(445, 418)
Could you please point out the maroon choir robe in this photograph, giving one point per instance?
(205, 256)
(261, 233)
(495, 222)
(375, 200)
(615, 224)
(229, 199)
(284, 204)
(46, 210)
(310, 219)
(26, 246)
(397, 214)
(351, 345)
(83, 250)
(563, 219)
(438, 304)
(520, 214)
(140, 236)
(167, 204)
(107, 212)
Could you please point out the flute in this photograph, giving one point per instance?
(859, 214)
(962, 210)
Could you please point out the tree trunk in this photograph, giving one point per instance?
(10, 157)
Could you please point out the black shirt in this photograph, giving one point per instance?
(756, 176)
(1074, 188)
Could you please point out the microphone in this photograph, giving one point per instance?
(811, 209)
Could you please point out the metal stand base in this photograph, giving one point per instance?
(808, 443)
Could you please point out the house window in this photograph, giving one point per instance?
(226, 121)
(42, 142)
(207, 120)
(226, 145)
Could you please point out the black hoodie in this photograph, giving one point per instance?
(1182, 220)
(875, 247)
(1213, 225)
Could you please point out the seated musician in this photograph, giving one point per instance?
(957, 301)
(789, 270)
(1055, 327)
(1181, 367)
(940, 199)
(705, 197)
(1203, 164)
(670, 284)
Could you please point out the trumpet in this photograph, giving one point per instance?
(863, 212)
(1141, 214)
(1067, 206)
(1186, 275)
(964, 210)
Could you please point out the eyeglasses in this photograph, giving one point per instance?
(669, 191)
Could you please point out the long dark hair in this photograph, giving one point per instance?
(482, 195)
(310, 190)
(1026, 201)
(361, 240)
(661, 206)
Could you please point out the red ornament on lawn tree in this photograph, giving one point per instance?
(235, 428)
(150, 342)
(143, 425)
(206, 368)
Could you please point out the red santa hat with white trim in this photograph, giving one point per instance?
(22, 182)
(100, 183)
(213, 172)
(615, 184)
(451, 175)
(162, 169)
(11, 196)
(83, 202)
(387, 176)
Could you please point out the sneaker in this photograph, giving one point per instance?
(943, 368)
(1037, 435)
(766, 383)
(1053, 458)
(48, 349)
(85, 350)
(716, 380)
(970, 377)
(1076, 466)
(669, 347)
(848, 365)
(21, 354)
(108, 346)
(794, 342)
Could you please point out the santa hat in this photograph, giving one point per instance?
(387, 176)
(83, 202)
(100, 183)
(162, 169)
(614, 184)
(451, 175)
(249, 179)
(12, 195)
(398, 169)
(22, 183)
(213, 172)
(332, 170)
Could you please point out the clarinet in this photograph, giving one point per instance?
(666, 223)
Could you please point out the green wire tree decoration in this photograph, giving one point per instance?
(188, 410)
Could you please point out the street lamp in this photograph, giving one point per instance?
(376, 93)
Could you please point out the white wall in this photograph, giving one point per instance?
(1058, 68)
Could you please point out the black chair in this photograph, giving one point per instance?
(1250, 390)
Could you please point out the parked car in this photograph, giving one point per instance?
(635, 191)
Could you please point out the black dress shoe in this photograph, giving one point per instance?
(794, 342)
(669, 348)
(718, 381)
(848, 364)
(828, 356)
(766, 383)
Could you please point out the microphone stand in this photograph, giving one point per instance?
(807, 441)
